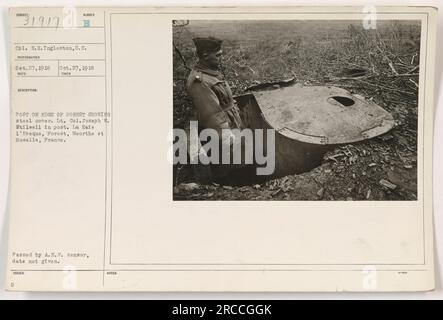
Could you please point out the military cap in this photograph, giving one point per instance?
(209, 44)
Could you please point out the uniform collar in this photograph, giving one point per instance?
(211, 72)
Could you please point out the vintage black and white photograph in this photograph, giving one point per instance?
(295, 110)
(222, 149)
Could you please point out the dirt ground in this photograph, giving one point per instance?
(380, 65)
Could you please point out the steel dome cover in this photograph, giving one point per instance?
(322, 115)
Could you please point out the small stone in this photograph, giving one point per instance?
(349, 199)
(407, 166)
(227, 187)
(368, 194)
(387, 184)
(256, 186)
(320, 192)
(327, 170)
(373, 164)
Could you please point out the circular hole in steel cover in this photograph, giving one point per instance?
(343, 100)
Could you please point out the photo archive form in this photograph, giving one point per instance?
(246, 149)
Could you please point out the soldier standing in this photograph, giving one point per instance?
(212, 97)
